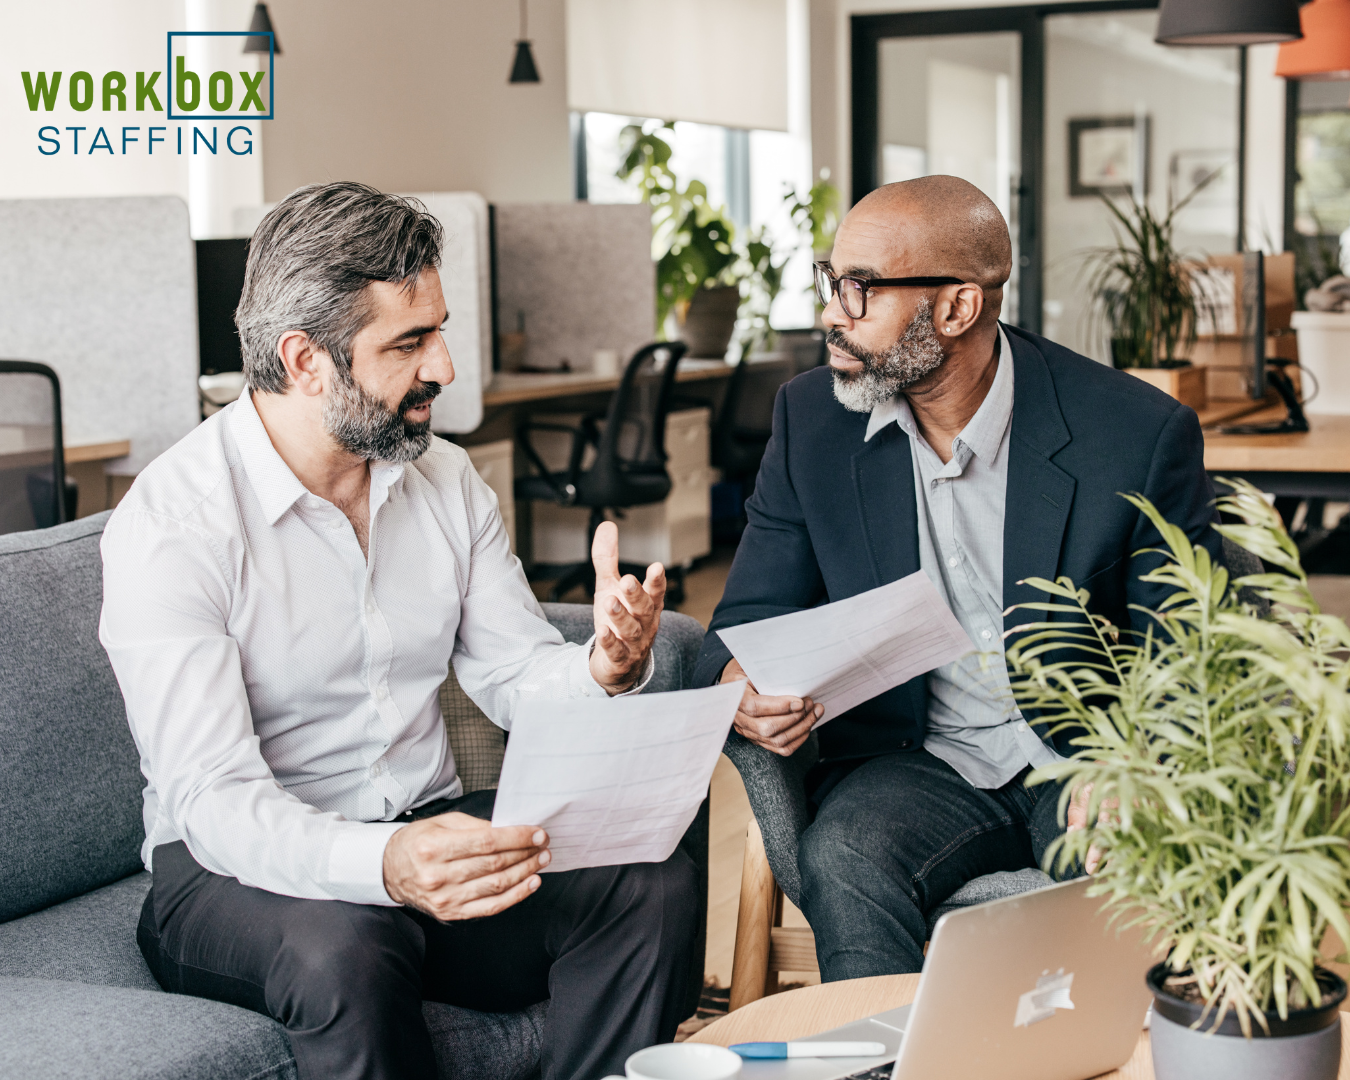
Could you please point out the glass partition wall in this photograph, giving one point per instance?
(951, 103)
(1124, 114)
(1046, 109)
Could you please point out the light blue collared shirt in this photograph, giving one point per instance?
(973, 724)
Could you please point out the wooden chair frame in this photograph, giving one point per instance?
(764, 946)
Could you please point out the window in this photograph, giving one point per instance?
(1322, 193)
(747, 172)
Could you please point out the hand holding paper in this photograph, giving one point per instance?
(614, 781)
(848, 652)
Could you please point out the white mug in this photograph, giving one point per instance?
(681, 1061)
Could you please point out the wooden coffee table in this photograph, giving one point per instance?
(799, 1014)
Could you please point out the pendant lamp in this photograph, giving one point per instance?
(523, 70)
(1227, 22)
(261, 24)
(1324, 52)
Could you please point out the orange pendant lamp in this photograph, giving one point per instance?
(1324, 52)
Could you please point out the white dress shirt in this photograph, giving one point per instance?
(282, 690)
(973, 723)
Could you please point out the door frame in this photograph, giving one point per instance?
(1028, 20)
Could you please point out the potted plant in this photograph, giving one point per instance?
(1143, 289)
(1213, 754)
(704, 278)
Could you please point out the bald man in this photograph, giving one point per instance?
(941, 440)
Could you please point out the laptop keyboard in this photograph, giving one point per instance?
(880, 1072)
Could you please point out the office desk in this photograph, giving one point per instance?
(84, 465)
(516, 387)
(1315, 464)
(799, 1014)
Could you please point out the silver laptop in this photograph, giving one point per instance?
(1033, 987)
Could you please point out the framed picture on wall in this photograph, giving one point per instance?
(1207, 180)
(1107, 155)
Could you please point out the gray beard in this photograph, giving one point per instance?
(365, 426)
(916, 354)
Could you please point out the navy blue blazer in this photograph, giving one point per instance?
(832, 516)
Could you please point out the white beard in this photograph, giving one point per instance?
(916, 354)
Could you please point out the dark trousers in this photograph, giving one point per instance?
(609, 948)
(893, 838)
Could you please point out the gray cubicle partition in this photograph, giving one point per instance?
(582, 277)
(465, 281)
(104, 291)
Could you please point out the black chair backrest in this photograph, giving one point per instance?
(32, 452)
(634, 438)
(747, 404)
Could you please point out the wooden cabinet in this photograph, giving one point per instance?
(494, 462)
(674, 532)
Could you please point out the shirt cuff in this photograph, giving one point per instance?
(590, 687)
(356, 862)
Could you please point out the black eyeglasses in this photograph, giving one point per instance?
(853, 290)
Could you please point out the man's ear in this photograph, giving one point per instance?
(304, 362)
(957, 310)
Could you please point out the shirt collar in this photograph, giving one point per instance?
(277, 488)
(984, 432)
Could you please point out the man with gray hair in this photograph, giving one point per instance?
(941, 440)
(283, 592)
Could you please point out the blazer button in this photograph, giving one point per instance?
(905, 744)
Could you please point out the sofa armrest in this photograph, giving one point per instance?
(674, 651)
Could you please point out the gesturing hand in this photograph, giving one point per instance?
(627, 614)
(454, 866)
(779, 724)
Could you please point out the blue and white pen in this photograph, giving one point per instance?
(780, 1050)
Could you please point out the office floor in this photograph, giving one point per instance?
(731, 808)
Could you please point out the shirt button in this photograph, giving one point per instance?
(953, 561)
(987, 635)
(377, 769)
(370, 606)
(335, 524)
(1021, 727)
(381, 692)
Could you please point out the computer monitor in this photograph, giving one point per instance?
(1254, 323)
(1258, 371)
(220, 284)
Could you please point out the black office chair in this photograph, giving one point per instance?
(34, 491)
(741, 431)
(629, 467)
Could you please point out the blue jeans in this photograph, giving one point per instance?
(895, 837)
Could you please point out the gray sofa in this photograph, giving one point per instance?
(76, 999)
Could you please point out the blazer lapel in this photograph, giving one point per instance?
(1039, 493)
(883, 476)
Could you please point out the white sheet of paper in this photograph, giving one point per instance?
(848, 652)
(614, 781)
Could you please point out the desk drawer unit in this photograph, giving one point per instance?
(494, 462)
(674, 532)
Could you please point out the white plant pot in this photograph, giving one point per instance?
(1324, 352)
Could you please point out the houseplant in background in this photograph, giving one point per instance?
(1218, 744)
(704, 277)
(817, 215)
(1144, 290)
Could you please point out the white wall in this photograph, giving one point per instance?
(99, 36)
(412, 95)
(409, 95)
(84, 35)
